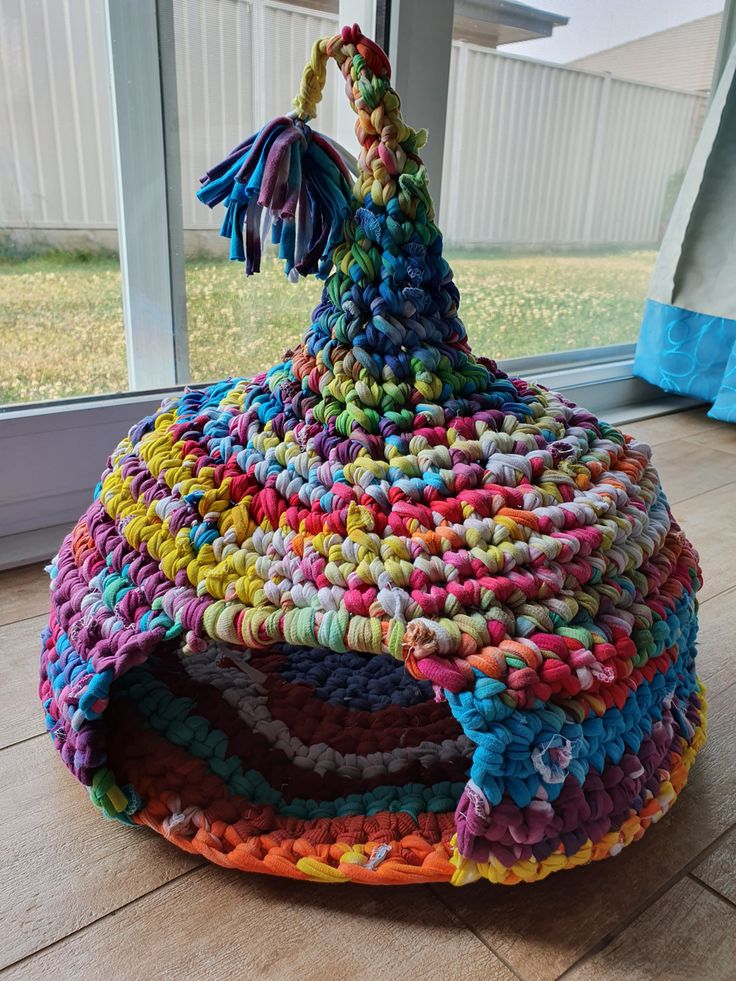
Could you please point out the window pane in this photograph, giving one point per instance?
(563, 158)
(61, 321)
(238, 66)
(566, 144)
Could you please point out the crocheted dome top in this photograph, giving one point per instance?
(382, 613)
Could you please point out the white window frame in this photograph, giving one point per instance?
(142, 59)
(59, 448)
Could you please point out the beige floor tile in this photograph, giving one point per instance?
(675, 425)
(709, 521)
(687, 935)
(688, 469)
(719, 868)
(23, 593)
(217, 924)
(63, 864)
(716, 644)
(20, 650)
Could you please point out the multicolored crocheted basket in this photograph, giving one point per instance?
(381, 614)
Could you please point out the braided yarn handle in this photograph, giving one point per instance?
(386, 341)
(388, 146)
(293, 182)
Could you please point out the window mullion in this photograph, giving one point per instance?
(148, 186)
(420, 47)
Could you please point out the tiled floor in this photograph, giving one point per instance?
(84, 898)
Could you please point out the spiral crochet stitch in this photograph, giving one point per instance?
(381, 614)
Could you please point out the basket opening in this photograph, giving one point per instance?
(288, 735)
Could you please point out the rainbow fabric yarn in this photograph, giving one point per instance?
(381, 614)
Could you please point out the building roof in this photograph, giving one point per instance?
(486, 22)
(681, 57)
(495, 22)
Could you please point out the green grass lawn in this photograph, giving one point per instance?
(61, 325)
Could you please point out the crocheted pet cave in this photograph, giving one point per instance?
(381, 614)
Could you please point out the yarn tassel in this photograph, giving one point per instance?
(289, 179)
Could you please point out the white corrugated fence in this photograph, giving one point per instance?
(534, 153)
(537, 153)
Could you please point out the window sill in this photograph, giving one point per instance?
(60, 448)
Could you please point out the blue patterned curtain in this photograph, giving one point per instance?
(687, 343)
